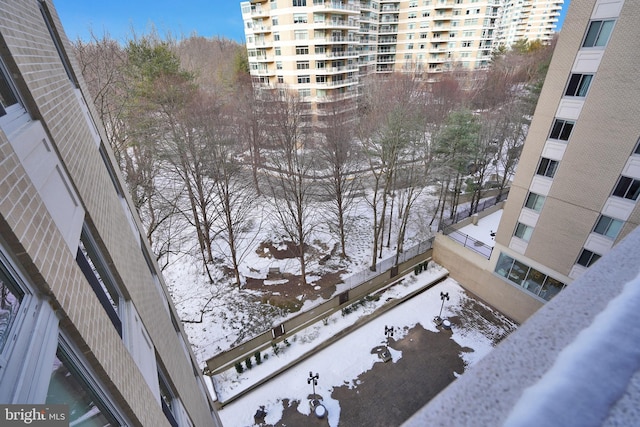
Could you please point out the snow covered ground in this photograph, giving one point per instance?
(486, 226)
(292, 383)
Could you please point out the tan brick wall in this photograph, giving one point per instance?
(601, 142)
(474, 273)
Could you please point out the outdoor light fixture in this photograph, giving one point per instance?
(388, 331)
(313, 380)
(438, 318)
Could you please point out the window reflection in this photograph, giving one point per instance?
(529, 278)
(67, 386)
(10, 300)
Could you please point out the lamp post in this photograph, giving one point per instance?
(443, 296)
(388, 331)
(313, 380)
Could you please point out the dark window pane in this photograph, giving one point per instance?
(566, 131)
(584, 85)
(574, 81)
(602, 225)
(557, 128)
(587, 258)
(621, 187)
(543, 166)
(551, 288)
(634, 190)
(592, 34)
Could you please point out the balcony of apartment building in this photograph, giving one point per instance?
(437, 58)
(337, 82)
(444, 4)
(368, 6)
(389, 6)
(388, 29)
(388, 40)
(384, 68)
(341, 53)
(386, 59)
(336, 23)
(338, 69)
(261, 29)
(264, 58)
(336, 7)
(259, 12)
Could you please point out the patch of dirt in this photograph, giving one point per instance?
(291, 293)
(291, 250)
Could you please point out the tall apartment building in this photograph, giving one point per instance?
(322, 48)
(575, 193)
(85, 317)
(527, 19)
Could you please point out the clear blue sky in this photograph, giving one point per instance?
(208, 18)
(180, 18)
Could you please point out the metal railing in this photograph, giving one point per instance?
(468, 242)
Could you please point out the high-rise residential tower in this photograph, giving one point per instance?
(322, 48)
(575, 194)
(85, 317)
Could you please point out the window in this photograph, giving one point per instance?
(321, 79)
(302, 50)
(53, 32)
(523, 231)
(561, 129)
(598, 33)
(547, 167)
(278, 65)
(304, 79)
(304, 93)
(534, 202)
(412, 15)
(300, 34)
(280, 79)
(607, 226)
(11, 297)
(274, 21)
(96, 270)
(637, 149)
(278, 51)
(299, 18)
(71, 385)
(466, 44)
(299, 2)
(627, 188)
(587, 258)
(578, 85)
(167, 399)
(276, 37)
(302, 65)
(529, 278)
(12, 112)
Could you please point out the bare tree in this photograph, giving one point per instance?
(338, 155)
(290, 171)
(234, 199)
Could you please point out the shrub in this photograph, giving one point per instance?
(239, 367)
(258, 357)
(247, 361)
